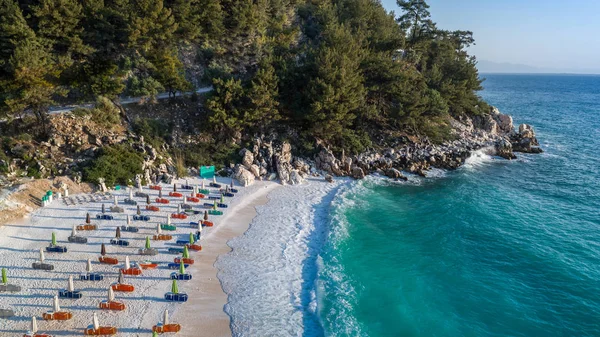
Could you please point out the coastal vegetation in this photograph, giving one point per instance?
(345, 74)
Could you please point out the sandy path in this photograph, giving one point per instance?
(204, 310)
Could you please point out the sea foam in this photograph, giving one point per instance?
(270, 273)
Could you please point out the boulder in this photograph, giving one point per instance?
(244, 176)
(395, 174)
(329, 178)
(255, 170)
(504, 149)
(357, 172)
(296, 178)
(247, 158)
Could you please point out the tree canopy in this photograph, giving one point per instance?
(339, 72)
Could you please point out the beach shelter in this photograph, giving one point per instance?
(207, 171)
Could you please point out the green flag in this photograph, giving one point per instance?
(174, 288)
(215, 205)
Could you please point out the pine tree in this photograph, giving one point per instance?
(13, 30)
(336, 91)
(226, 108)
(59, 27)
(169, 71)
(153, 25)
(262, 95)
(31, 86)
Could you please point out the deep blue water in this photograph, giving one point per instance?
(496, 248)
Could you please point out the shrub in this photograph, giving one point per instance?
(105, 112)
(116, 164)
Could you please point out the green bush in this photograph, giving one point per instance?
(154, 131)
(105, 112)
(117, 164)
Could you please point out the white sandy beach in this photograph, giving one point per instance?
(202, 315)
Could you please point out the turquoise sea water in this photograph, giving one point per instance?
(496, 248)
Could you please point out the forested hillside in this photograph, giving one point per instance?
(342, 73)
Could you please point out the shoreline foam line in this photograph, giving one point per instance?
(269, 274)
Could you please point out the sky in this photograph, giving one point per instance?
(551, 34)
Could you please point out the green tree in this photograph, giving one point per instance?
(59, 27)
(168, 70)
(416, 19)
(13, 30)
(226, 108)
(263, 99)
(153, 25)
(31, 86)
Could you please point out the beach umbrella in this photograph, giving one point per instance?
(147, 242)
(168, 219)
(166, 317)
(181, 267)
(103, 250)
(42, 257)
(203, 183)
(148, 199)
(111, 294)
(128, 220)
(70, 285)
(193, 192)
(183, 200)
(186, 253)
(131, 194)
(226, 188)
(231, 182)
(160, 193)
(174, 187)
(199, 226)
(154, 334)
(88, 267)
(186, 183)
(215, 179)
(205, 215)
(215, 205)
(192, 238)
(222, 199)
(127, 264)
(178, 208)
(74, 231)
(103, 208)
(53, 239)
(139, 212)
(55, 304)
(87, 218)
(174, 288)
(116, 200)
(121, 279)
(158, 229)
(95, 323)
(34, 327)
(4, 277)
(118, 233)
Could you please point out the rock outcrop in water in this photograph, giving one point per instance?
(494, 131)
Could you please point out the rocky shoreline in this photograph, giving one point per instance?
(77, 140)
(494, 131)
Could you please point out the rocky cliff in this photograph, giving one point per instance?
(493, 131)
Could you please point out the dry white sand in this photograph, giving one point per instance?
(202, 315)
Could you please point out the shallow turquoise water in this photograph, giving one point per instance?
(496, 248)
